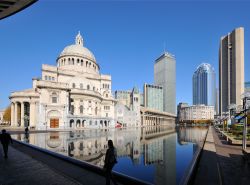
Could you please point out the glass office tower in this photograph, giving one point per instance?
(204, 85)
(153, 97)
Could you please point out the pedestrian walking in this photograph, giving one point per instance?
(5, 139)
(110, 161)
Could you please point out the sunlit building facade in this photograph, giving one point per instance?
(231, 69)
(165, 76)
(153, 97)
(71, 95)
(127, 108)
(196, 113)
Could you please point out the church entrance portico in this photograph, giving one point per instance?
(20, 114)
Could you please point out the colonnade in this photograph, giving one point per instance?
(18, 115)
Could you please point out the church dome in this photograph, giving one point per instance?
(78, 49)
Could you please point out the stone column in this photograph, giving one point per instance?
(32, 114)
(15, 114)
(12, 114)
(143, 119)
(22, 114)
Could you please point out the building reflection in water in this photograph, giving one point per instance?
(155, 145)
(194, 134)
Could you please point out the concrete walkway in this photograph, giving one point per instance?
(21, 169)
(221, 163)
(233, 168)
(208, 171)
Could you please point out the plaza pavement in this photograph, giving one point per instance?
(25, 169)
(21, 169)
(221, 163)
(233, 168)
(27, 165)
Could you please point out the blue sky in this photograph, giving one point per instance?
(125, 37)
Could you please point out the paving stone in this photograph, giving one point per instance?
(23, 170)
(233, 168)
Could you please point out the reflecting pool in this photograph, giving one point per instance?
(159, 155)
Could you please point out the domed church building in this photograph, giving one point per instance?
(71, 95)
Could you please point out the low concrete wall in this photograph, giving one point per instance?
(188, 178)
(124, 179)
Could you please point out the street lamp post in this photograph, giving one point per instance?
(245, 97)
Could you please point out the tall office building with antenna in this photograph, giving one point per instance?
(165, 76)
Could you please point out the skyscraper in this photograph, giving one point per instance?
(231, 69)
(247, 86)
(165, 76)
(204, 85)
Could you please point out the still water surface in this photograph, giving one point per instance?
(153, 154)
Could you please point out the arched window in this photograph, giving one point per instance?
(86, 63)
(81, 86)
(78, 61)
(81, 109)
(93, 88)
(73, 85)
(81, 62)
(107, 95)
(88, 87)
(54, 98)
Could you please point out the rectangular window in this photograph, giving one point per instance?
(54, 99)
(106, 107)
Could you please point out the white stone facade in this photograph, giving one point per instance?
(71, 95)
(1, 116)
(196, 112)
(127, 110)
